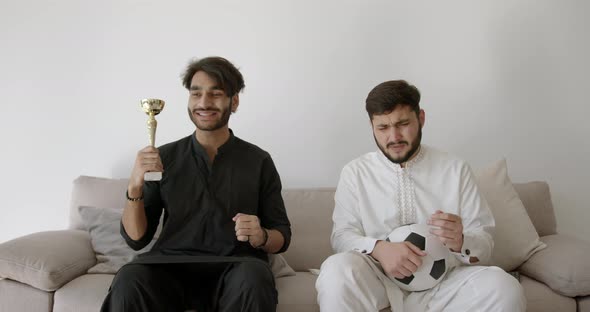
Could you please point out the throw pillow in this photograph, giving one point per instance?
(567, 260)
(515, 237)
(46, 260)
(112, 251)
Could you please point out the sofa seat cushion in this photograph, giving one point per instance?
(297, 293)
(84, 294)
(541, 298)
(563, 265)
(15, 296)
(87, 292)
(583, 304)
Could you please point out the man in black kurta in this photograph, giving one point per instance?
(223, 212)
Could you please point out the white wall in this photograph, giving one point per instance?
(499, 79)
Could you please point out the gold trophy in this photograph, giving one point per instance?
(152, 107)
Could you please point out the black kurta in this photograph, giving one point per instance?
(200, 199)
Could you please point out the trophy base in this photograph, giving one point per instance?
(152, 176)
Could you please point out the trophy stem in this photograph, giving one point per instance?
(152, 124)
(152, 107)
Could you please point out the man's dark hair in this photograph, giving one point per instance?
(225, 73)
(386, 97)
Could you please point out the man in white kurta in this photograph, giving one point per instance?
(406, 182)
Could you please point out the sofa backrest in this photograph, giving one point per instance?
(309, 210)
(96, 192)
(310, 213)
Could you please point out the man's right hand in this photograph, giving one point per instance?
(148, 159)
(398, 259)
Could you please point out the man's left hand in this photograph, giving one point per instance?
(450, 229)
(248, 229)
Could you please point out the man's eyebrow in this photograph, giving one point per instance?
(387, 124)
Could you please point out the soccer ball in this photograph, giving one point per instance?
(434, 265)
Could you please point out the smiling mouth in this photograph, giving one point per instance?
(204, 113)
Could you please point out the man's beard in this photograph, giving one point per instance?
(402, 159)
(222, 122)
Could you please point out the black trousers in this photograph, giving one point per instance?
(224, 287)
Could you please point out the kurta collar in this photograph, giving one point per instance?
(228, 144)
(198, 149)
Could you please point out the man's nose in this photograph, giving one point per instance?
(205, 101)
(395, 133)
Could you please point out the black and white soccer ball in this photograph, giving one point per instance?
(434, 265)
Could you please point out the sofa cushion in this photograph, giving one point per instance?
(539, 297)
(15, 296)
(537, 201)
(87, 292)
(298, 290)
(46, 260)
(564, 265)
(583, 304)
(515, 237)
(83, 294)
(112, 252)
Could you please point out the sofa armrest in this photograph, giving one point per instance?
(564, 265)
(47, 260)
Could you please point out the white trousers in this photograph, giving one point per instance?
(355, 282)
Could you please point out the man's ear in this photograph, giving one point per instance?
(235, 102)
(422, 117)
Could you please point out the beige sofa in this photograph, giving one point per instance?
(47, 271)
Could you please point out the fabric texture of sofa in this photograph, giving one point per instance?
(47, 271)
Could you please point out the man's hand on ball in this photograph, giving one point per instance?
(398, 259)
(449, 229)
(248, 229)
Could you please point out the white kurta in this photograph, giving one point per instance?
(374, 196)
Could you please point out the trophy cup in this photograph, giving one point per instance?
(152, 107)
